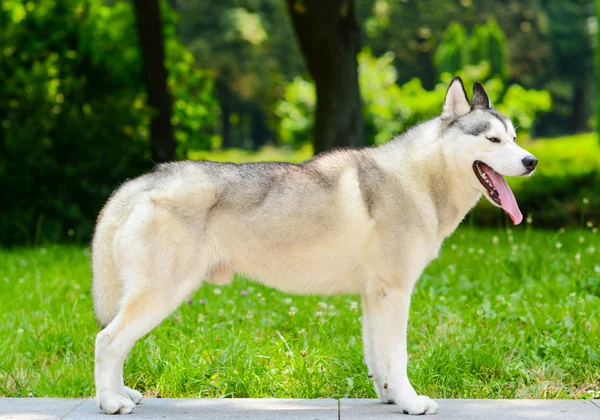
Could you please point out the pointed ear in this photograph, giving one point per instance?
(480, 97)
(456, 103)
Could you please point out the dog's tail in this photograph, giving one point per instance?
(107, 287)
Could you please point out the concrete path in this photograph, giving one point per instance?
(288, 409)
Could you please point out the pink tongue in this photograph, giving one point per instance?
(507, 198)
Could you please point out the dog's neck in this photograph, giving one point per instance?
(454, 196)
(427, 159)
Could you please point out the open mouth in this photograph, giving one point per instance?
(498, 191)
(486, 181)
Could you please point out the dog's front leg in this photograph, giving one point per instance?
(385, 311)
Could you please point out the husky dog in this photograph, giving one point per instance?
(364, 221)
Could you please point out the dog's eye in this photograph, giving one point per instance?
(493, 139)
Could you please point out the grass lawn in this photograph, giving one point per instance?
(501, 314)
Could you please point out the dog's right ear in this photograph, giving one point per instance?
(456, 103)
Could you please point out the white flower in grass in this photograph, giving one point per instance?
(217, 291)
(578, 258)
(293, 311)
(287, 301)
(353, 305)
(591, 250)
(481, 251)
(597, 268)
(453, 247)
(558, 245)
(529, 220)
(322, 305)
(590, 224)
(319, 314)
(510, 239)
(471, 250)
(495, 240)
(586, 200)
(581, 239)
(561, 230)
(595, 230)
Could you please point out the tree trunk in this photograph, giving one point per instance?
(329, 40)
(150, 33)
(578, 123)
(259, 131)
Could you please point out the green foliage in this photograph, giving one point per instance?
(453, 52)
(383, 108)
(388, 109)
(597, 53)
(488, 43)
(266, 154)
(74, 119)
(532, 296)
(522, 105)
(195, 105)
(296, 112)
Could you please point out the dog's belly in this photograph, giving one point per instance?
(325, 272)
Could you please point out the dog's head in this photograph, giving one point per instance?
(484, 145)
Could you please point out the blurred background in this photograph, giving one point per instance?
(93, 92)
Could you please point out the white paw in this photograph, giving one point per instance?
(417, 404)
(115, 403)
(132, 394)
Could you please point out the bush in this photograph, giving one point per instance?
(73, 115)
(453, 52)
(388, 109)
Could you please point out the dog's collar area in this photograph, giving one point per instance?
(484, 179)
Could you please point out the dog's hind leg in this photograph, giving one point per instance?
(138, 316)
(159, 260)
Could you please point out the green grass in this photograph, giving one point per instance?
(499, 315)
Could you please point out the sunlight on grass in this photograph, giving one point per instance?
(500, 314)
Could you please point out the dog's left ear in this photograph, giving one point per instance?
(480, 97)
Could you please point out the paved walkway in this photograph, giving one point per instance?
(275, 409)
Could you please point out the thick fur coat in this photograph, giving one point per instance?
(362, 221)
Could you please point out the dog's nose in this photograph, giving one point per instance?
(530, 162)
